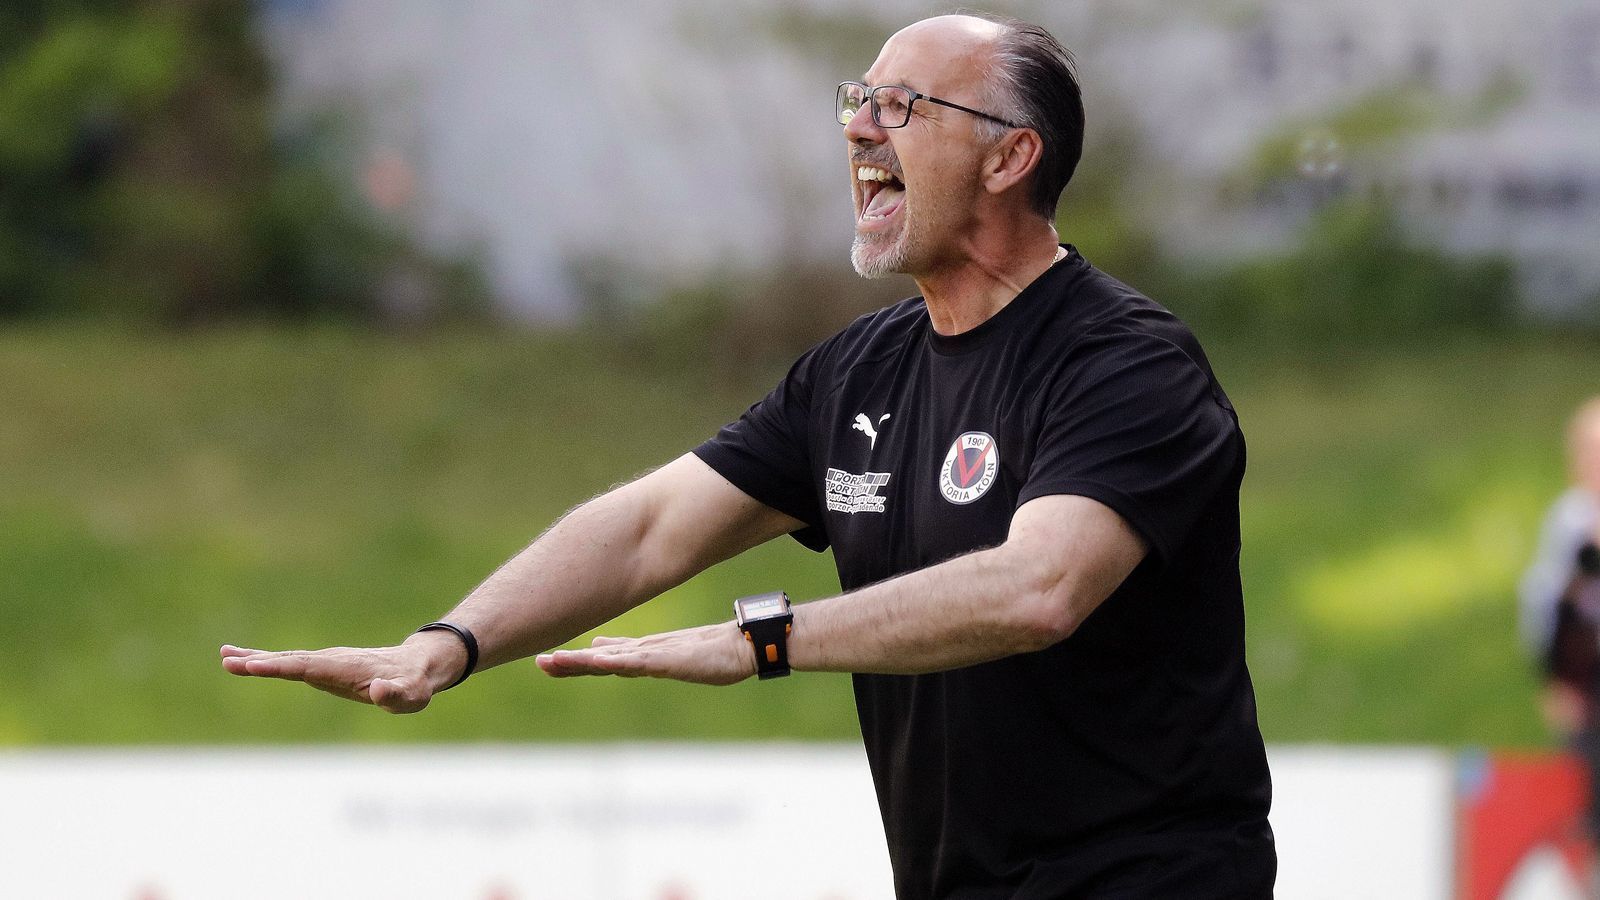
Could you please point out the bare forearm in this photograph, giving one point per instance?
(1063, 558)
(588, 568)
(603, 558)
(611, 554)
(971, 609)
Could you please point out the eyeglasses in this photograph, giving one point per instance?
(891, 104)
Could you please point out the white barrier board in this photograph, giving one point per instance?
(659, 823)
(1355, 823)
(613, 822)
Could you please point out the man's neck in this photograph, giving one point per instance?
(965, 294)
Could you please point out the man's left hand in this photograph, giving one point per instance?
(709, 654)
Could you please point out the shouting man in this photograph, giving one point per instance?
(1042, 606)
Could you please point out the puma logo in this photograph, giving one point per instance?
(864, 425)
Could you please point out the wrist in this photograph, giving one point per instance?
(443, 657)
(803, 657)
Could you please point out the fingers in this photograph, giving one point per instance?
(339, 670)
(244, 661)
(385, 676)
(342, 671)
(710, 654)
(235, 659)
(290, 664)
(605, 656)
(613, 659)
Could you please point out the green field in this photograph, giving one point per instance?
(161, 495)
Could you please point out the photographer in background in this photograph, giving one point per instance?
(1561, 603)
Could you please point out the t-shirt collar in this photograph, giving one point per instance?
(1000, 322)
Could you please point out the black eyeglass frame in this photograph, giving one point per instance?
(872, 102)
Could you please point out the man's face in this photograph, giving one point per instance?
(915, 187)
(1586, 452)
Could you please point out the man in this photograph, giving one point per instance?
(1560, 610)
(1030, 481)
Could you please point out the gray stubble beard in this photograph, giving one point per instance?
(870, 265)
(881, 265)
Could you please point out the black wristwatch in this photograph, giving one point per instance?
(765, 620)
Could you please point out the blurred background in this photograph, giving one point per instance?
(314, 311)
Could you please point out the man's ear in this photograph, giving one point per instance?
(1012, 160)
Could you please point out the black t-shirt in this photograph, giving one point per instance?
(1125, 760)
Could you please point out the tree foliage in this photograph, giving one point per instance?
(145, 176)
(1355, 274)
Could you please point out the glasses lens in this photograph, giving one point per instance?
(848, 102)
(891, 106)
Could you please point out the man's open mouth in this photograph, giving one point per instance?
(881, 193)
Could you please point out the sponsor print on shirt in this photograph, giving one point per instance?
(848, 492)
(969, 468)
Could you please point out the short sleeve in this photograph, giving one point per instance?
(1566, 527)
(767, 452)
(1134, 422)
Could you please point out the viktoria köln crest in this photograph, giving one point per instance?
(969, 468)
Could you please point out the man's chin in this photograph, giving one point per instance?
(873, 259)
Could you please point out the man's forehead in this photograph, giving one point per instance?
(933, 53)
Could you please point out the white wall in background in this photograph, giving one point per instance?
(612, 822)
(508, 823)
(1356, 822)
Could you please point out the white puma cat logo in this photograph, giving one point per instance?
(864, 425)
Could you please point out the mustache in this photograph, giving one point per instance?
(882, 160)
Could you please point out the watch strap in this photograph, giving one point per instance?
(770, 640)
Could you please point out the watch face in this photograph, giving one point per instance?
(762, 607)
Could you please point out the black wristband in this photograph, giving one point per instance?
(466, 638)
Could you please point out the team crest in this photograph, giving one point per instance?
(969, 468)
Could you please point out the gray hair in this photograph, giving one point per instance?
(1033, 82)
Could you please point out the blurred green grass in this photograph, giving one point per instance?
(161, 494)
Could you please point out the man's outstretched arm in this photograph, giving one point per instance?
(598, 561)
(1063, 556)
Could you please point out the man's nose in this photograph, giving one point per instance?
(863, 128)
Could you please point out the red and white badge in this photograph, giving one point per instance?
(969, 468)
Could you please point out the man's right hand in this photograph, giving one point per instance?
(400, 679)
